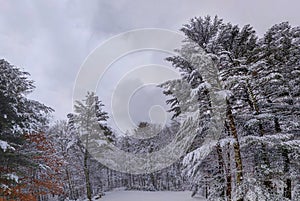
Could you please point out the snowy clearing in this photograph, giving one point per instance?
(149, 196)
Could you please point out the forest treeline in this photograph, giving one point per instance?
(240, 94)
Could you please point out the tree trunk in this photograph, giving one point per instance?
(221, 169)
(228, 168)
(277, 125)
(285, 153)
(152, 179)
(236, 145)
(254, 105)
(71, 195)
(228, 179)
(206, 190)
(288, 188)
(108, 178)
(168, 182)
(87, 176)
(265, 158)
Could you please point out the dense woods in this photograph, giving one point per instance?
(255, 156)
(241, 91)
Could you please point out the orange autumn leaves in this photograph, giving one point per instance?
(42, 177)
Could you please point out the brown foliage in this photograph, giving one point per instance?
(42, 178)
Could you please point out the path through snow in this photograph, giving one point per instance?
(148, 196)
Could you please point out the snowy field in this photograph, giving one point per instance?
(149, 196)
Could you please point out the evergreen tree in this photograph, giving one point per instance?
(248, 70)
(18, 116)
(90, 122)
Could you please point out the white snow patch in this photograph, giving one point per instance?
(200, 153)
(12, 177)
(226, 141)
(44, 167)
(70, 144)
(3, 186)
(265, 116)
(223, 94)
(149, 196)
(4, 146)
(101, 142)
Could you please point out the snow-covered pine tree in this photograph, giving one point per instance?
(250, 69)
(196, 97)
(277, 110)
(229, 47)
(90, 123)
(18, 116)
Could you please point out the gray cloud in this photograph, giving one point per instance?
(51, 39)
(126, 91)
(143, 104)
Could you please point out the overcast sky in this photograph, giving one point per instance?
(51, 39)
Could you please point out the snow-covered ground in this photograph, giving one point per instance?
(149, 196)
